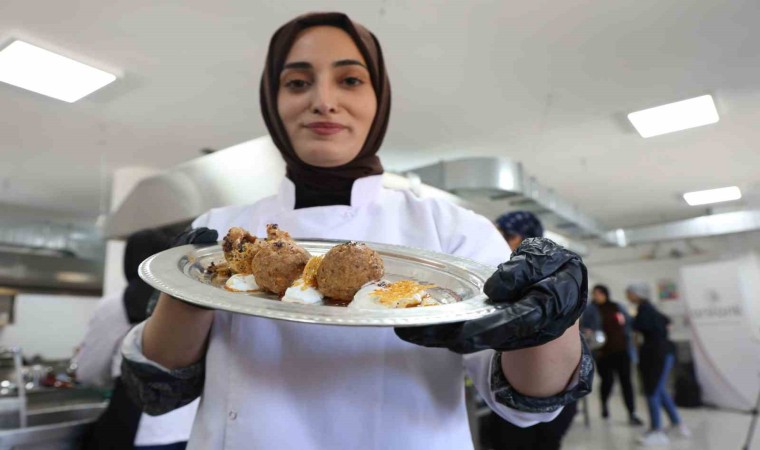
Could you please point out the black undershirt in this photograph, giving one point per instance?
(311, 195)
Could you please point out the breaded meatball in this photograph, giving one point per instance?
(278, 264)
(346, 268)
(239, 248)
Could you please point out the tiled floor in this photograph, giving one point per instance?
(713, 430)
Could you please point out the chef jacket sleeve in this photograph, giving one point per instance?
(153, 387)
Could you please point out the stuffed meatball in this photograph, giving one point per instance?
(346, 268)
(278, 264)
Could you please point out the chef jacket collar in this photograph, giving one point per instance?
(364, 191)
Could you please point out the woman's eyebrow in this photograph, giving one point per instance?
(303, 65)
(348, 62)
(298, 65)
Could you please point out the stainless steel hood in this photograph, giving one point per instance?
(500, 184)
(503, 183)
(238, 175)
(51, 257)
(39, 273)
(704, 226)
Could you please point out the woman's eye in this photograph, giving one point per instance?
(352, 81)
(296, 84)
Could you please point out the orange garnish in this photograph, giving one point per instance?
(399, 291)
(310, 272)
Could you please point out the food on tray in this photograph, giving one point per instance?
(218, 273)
(349, 274)
(278, 264)
(239, 249)
(242, 283)
(304, 289)
(346, 268)
(401, 294)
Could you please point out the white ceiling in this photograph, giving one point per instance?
(545, 82)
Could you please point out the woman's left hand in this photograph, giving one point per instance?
(539, 293)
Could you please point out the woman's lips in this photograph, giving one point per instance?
(325, 128)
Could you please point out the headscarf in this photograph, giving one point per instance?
(523, 223)
(140, 246)
(366, 162)
(640, 290)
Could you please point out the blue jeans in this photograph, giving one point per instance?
(661, 398)
(175, 446)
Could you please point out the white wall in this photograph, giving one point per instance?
(49, 325)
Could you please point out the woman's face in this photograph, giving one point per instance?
(599, 296)
(325, 97)
(513, 240)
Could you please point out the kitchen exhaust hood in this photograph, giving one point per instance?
(237, 175)
(51, 257)
(500, 184)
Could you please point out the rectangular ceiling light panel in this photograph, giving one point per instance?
(39, 70)
(725, 194)
(691, 113)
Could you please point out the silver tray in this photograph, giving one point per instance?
(180, 273)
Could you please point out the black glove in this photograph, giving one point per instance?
(198, 236)
(539, 293)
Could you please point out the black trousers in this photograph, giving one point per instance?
(117, 426)
(543, 436)
(616, 363)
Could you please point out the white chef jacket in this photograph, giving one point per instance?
(281, 385)
(99, 363)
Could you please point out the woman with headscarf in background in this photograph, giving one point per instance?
(618, 352)
(123, 426)
(656, 359)
(268, 384)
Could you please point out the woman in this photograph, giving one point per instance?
(618, 351)
(123, 425)
(325, 98)
(656, 359)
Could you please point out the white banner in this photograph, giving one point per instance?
(723, 303)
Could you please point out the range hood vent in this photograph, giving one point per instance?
(237, 175)
(504, 184)
(51, 257)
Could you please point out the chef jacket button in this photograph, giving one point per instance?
(232, 415)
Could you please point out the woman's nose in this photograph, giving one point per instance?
(324, 99)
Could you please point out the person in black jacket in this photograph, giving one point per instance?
(656, 359)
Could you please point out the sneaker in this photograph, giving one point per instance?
(605, 413)
(634, 420)
(653, 438)
(680, 430)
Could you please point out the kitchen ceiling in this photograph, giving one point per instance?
(546, 83)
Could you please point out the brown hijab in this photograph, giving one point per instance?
(366, 162)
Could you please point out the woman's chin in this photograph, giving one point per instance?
(326, 159)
